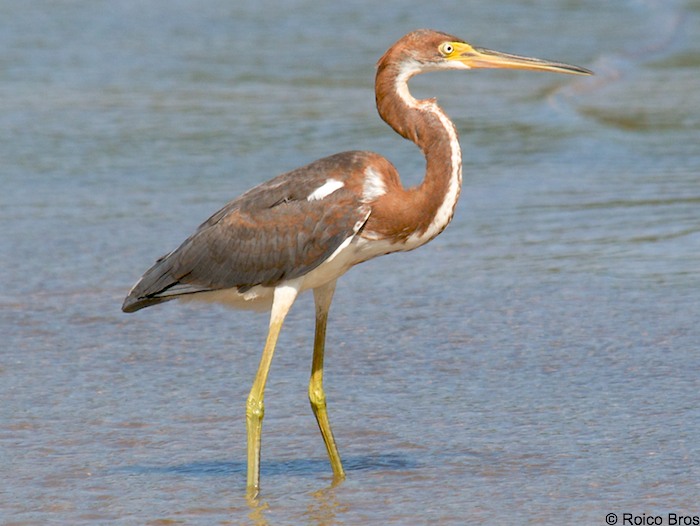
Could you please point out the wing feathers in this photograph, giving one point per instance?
(270, 233)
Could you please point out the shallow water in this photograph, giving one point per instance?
(537, 363)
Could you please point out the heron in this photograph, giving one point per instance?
(304, 229)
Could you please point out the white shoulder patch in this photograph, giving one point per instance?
(326, 189)
(373, 186)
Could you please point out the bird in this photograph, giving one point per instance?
(304, 229)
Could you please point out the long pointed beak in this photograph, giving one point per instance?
(476, 57)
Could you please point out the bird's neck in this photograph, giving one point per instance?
(424, 123)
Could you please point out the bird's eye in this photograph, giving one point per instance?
(446, 48)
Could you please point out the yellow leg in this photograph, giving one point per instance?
(323, 297)
(255, 407)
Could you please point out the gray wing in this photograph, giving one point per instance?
(271, 233)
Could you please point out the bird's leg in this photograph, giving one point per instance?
(284, 296)
(323, 297)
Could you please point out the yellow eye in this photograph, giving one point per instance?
(446, 48)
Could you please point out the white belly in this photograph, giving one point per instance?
(355, 250)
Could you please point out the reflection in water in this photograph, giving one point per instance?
(322, 509)
(325, 506)
(257, 511)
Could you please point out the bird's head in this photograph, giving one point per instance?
(426, 50)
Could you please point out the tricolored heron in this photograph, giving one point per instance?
(305, 228)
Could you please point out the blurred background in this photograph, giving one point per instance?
(536, 363)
